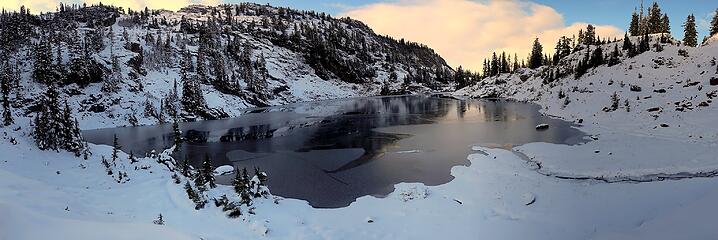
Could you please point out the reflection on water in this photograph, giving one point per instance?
(332, 152)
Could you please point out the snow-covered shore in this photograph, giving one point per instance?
(663, 125)
(499, 196)
(663, 128)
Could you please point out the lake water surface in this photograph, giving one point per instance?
(332, 152)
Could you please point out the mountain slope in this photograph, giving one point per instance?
(652, 116)
(119, 68)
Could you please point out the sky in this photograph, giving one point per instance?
(464, 32)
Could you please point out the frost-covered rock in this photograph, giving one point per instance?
(223, 170)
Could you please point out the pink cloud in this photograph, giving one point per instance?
(465, 32)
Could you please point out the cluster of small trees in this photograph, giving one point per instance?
(499, 64)
(55, 128)
(60, 33)
(654, 22)
(245, 187)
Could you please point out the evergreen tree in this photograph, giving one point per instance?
(192, 98)
(194, 196)
(504, 63)
(665, 24)
(536, 57)
(208, 172)
(633, 29)
(115, 149)
(714, 24)
(5, 81)
(112, 82)
(626, 42)
(185, 167)
(486, 71)
(42, 68)
(563, 49)
(597, 57)
(176, 132)
(644, 43)
(655, 19)
(47, 122)
(245, 197)
(262, 176)
(494, 65)
(590, 36)
(199, 180)
(240, 183)
(691, 35)
(614, 58)
(71, 136)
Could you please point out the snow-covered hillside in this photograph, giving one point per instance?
(121, 68)
(652, 116)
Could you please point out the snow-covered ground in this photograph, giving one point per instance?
(664, 126)
(499, 196)
(520, 193)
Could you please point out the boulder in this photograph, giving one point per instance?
(714, 81)
(97, 108)
(654, 109)
(542, 126)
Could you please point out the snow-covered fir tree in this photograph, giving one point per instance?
(690, 37)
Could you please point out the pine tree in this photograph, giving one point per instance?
(112, 82)
(192, 98)
(240, 183)
(536, 57)
(47, 122)
(563, 49)
(494, 65)
(655, 19)
(208, 172)
(262, 176)
(665, 24)
(42, 68)
(71, 137)
(245, 197)
(5, 81)
(633, 29)
(644, 43)
(714, 24)
(115, 149)
(691, 35)
(199, 180)
(614, 58)
(626, 42)
(597, 57)
(185, 167)
(504, 63)
(176, 132)
(629, 47)
(194, 196)
(590, 36)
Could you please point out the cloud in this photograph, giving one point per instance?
(37, 6)
(465, 32)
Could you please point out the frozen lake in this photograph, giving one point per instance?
(332, 152)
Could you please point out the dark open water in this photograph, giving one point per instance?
(332, 152)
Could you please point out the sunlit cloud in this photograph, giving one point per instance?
(465, 32)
